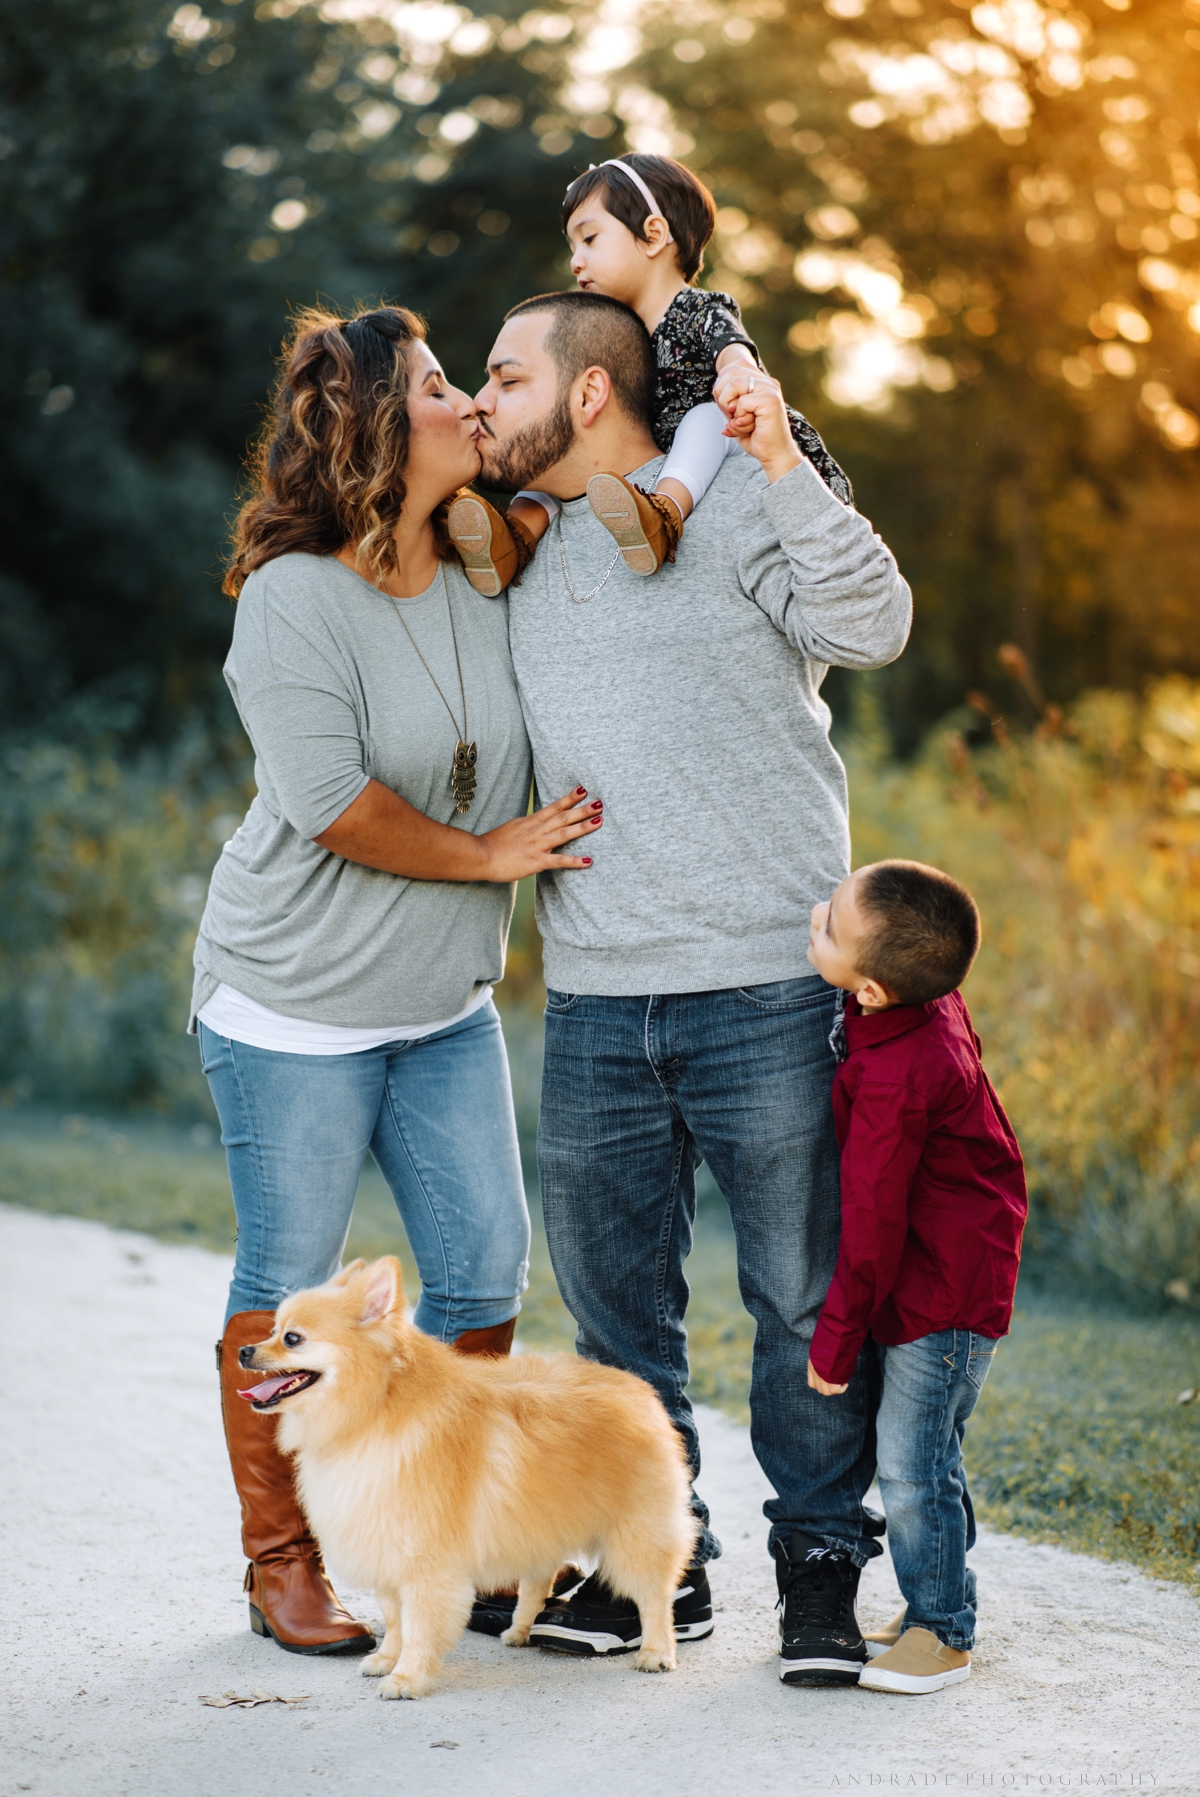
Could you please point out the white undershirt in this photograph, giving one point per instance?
(230, 1013)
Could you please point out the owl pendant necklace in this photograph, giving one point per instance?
(463, 766)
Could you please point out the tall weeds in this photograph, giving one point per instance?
(104, 869)
(1082, 847)
(1080, 842)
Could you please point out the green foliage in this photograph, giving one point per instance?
(171, 183)
(105, 870)
(1081, 844)
(1082, 848)
(1079, 1437)
(993, 313)
(995, 323)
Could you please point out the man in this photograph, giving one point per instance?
(684, 1022)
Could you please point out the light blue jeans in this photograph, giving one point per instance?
(929, 1390)
(436, 1113)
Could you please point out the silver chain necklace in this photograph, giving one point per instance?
(582, 598)
(463, 767)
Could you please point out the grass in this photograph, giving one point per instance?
(1078, 1438)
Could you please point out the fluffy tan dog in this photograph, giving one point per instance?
(428, 1475)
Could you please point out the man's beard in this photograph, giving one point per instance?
(519, 461)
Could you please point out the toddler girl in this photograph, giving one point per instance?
(638, 226)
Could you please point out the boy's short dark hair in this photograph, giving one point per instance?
(592, 330)
(922, 930)
(685, 203)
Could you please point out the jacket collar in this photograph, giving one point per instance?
(863, 1031)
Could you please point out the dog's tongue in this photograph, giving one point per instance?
(259, 1394)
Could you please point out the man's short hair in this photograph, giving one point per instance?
(921, 930)
(590, 330)
(684, 202)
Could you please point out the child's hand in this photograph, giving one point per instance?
(734, 355)
(822, 1385)
(753, 403)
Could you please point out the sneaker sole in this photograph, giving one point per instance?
(470, 532)
(563, 1640)
(875, 1648)
(616, 511)
(908, 1684)
(819, 1672)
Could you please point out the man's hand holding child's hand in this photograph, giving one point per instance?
(822, 1385)
(753, 404)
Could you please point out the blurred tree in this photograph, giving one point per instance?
(995, 211)
(966, 239)
(171, 182)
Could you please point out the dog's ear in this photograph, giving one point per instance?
(382, 1291)
(347, 1273)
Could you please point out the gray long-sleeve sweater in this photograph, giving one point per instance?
(332, 694)
(690, 703)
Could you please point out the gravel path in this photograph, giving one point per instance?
(121, 1588)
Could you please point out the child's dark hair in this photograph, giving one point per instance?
(685, 203)
(922, 930)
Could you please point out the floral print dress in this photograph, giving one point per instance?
(691, 334)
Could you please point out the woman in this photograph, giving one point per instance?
(356, 920)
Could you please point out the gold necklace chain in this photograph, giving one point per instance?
(463, 767)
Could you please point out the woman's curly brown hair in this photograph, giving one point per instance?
(328, 468)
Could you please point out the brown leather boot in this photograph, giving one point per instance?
(494, 551)
(494, 1343)
(291, 1599)
(647, 527)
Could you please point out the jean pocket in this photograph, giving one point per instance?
(980, 1355)
(786, 995)
(559, 1003)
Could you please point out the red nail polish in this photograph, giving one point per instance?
(587, 860)
(581, 792)
(597, 804)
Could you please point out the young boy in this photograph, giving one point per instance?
(933, 1206)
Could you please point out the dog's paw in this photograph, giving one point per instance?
(655, 1660)
(517, 1637)
(376, 1664)
(410, 1685)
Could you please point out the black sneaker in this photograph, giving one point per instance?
(493, 1613)
(821, 1640)
(593, 1620)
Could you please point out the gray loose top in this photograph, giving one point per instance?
(690, 703)
(332, 694)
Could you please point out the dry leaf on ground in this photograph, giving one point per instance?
(231, 1700)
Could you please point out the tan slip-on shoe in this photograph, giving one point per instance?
(879, 1640)
(645, 526)
(493, 550)
(918, 1663)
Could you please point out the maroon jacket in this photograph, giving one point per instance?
(933, 1188)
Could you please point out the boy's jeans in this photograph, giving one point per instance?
(635, 1092)
(929, 1390)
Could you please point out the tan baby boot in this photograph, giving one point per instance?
(646, 526)
(879, 1640)
(919, 1662)
(494, 550)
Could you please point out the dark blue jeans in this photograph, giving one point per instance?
(635, 1093)
(929, 1390)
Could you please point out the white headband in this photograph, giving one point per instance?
(655, 209)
